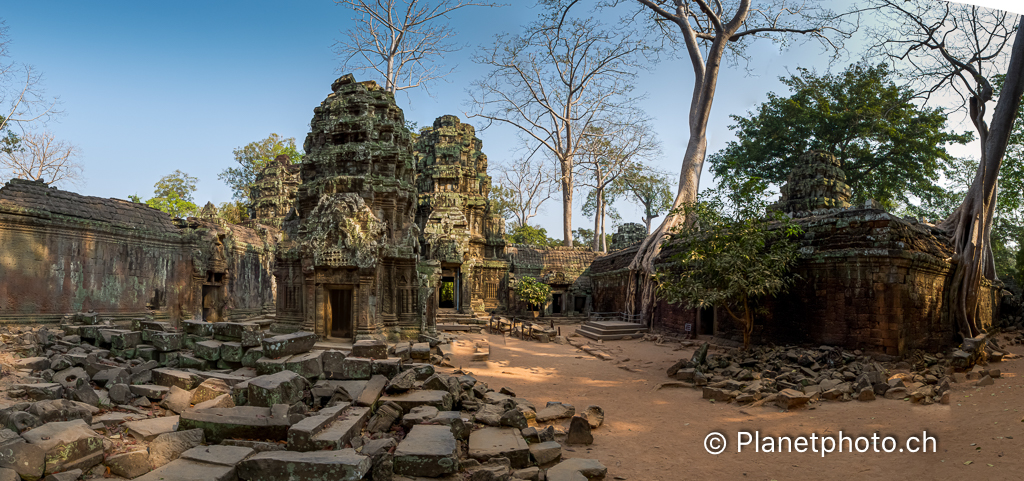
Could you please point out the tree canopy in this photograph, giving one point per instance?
(252, 158)
(532, 235)
(890, 147)
(173, 195)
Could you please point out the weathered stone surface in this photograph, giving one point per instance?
(384, 418)
(166, 341)
(300, 434)
(240, 422)
(69, 377)
(149, 429)
(221, 455)
(207, 350)
(168, 446)
(67, 445)
(790, 398)
(388, 368)
(176, 400)
(252, 356)
(222, 401)
(589, 468)
(555, 410)
(341, 465)
(25, 459)
(490, 443)
(209, 389)
(186, 470)
(172, 377)
(594, 415)
(371, 391)
(61, 410)
(232, 351)
(342, 430)
(41, 391)
(429, 451)
(151, 391)
(546, 453)
(307, 365)
(72, 475)
(579, 432)
(441, 400)
(351, 368)
(198, 328)
(288, 344)
(129, 465)
(32, 363)
(266, 365)
(459, 426)
(285, 387)
(371, 348)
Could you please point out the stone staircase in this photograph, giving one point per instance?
(611, 330)
(450, 316)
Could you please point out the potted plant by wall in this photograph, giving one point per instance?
(533, 292)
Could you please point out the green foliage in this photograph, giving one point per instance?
(532, 291)
(135, 198)
(650, 188)
(534, 236)
(734, 252)
(233, 212)
(503, 201)
(9, 142)
(173, 195)
(891, 149)
(252, 158)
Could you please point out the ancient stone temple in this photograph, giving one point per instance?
(348, 266)
(461, 235)
(565, 269)
(273, 193)
(866, 279)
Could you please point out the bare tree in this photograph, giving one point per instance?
(651, 189)
(22, 99)
(709, 29)
(400, 40)
(605, 157)
(42, 157)
(556, 81)
(945, 47)
(522, 189)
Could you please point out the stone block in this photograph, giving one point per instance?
(129, 465)
(300, 434)
(442, 400)
(209, 389)
(166, 341)
(220, 455)
(209, 350)
(420, 351)
(198, 328)
(555, 410)
(126, 340)
(252, 356)
(25, 459)
(172, 377)
(429, 451)
(285, 387)
(546, 453)
(340, 465)
(308, 365)
(168, 446)
(240, 422)
(186, 470)
(145, 352)
(186, 361)
(488, 443)
(67, 445)
(232, 331)
(388, 368)
(288, 344)
(351, 368)
(32, 363)
(370, 348)
(149, 429)
(267, 365)
(579, 431)
(588, 468)
(232, 351)
(155, 392)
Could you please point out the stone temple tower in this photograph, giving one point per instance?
(348, 265)
(817, 183)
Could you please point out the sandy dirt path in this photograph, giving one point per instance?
(652, 434)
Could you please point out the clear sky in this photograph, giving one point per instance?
(150, 87)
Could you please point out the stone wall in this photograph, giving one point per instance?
(63, 253)
(565, 269)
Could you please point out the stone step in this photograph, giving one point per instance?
(341, 430)
(342, 465)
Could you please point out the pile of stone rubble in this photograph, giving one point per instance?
(230, 401)
(793, 376)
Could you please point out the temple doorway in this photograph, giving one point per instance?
(339, 312)
(451, 280)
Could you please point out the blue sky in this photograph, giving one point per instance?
(150, 87)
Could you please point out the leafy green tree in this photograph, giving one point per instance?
(650, 188)
(890, 147)
(252, 158)
(233, 212)
(173, 195)
(532, 235)
(532, 292)
(735, 252)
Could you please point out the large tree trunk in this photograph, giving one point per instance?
(971, 224)
(594, 244)
(641, 278)
(567, 188)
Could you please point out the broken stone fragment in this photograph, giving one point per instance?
(427, 450)
(285, 387)
(579, 432)
(129, 465)
(168, 446)
(288, 344)
(370, 348)
(343, 464)
(594, 415)
(67, 445)
(555, 410)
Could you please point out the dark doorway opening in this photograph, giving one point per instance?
(579, 304)
(211, 302)
(556, 304)
(447, 297)
(339, 306)
(707, 321)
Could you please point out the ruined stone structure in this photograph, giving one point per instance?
(628, 234)
(274, 192)
(565, 269)
(461, 235)
(866, 278)
(349, 265)
(63, 252)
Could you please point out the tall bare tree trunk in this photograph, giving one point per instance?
(567, 188)
(971, 224)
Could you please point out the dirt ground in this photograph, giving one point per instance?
(658, 434)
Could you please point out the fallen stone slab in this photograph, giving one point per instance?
(222, 401)
(149, 429)
(232, 331)
(25, 459)
(208, 350)
(198, 328)
(350, 368)
(555, 410)
(32, 363)
(67, 445)
(173, 377)
(300, 434)
(129, 465)
(307, 365)
(285, 387)
(288, 344)
(340, 431)
(217, 454)
(341, 465)
(209, 389)
(371, 392)
(151, 391)
(166, 341)
(589, 468)
(240, 422)
(229, 379)
(168, 446)
(791, 398)
(185, 470)
(266, 365)
(372, 348)
(429, 451)
(442, 400)
(61, 410)
(326, 388)
(232, 351)
(41, 391)
(488, 443)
